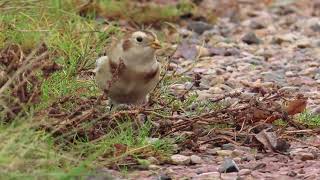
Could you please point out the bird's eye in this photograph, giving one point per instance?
(139, 39)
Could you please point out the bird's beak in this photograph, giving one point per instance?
(156, 44)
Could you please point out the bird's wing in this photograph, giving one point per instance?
(100, 62)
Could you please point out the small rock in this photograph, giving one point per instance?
(196, 159)
(228, 146)
(290, 74)
(204, 95)
(292, 174)
(244, 172)
(259, 156)
(289, 89)
(315, 111)
(290, 37)
(256, 25)
(216, 90)
(224, 153)
(259, 166)
(180, 159)
(247, 158)
(228, 166)
(304, 156)
(310, 71)
(303, 43)
(154, 167)
(212, 151)
(237, 153)
(315, 27)
(251, 38)
(199, 26)
(164, 177)
(247, 95)
(232, 52)
(270, 76)
(208, 175)
(217, 51)
(230, 176)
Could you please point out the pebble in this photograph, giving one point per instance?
(304, 43)
(199, 26)
(196, 159)
(228, 146)
(291, 173)
(310, 71)
(164, 177)
(304, 156)
(289, 89)
(212, 151)
(229, 176)
(244, 172)
(315, 110)
(224, 153)
(251, 38)
(256, 25)
(154, 167)
(284, 38)
(315, 27)
(208, 175)
(180, 159)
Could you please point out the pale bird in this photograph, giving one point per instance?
(130, 71)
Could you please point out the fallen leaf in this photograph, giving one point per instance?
(259, 114)
(296, 106)
(270, 141)
(120, 149)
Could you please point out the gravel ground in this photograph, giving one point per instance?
(264, 47)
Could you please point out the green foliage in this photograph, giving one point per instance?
(73, 42)
(310, 119)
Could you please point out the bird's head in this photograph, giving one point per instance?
(141, 44)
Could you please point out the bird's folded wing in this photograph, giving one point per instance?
(100, 61)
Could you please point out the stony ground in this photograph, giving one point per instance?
(260, 47)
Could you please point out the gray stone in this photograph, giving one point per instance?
(196, 159)
(315, 27)
(199, 26)
(224, 153)
(228, 146)
(251, 38)
(292, 174)
(164, 177)
(180, 159)
(315, 110)
(208, 175)
(289, 89)
(256, 25)
(212, 151)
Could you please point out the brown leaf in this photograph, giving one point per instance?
(259, 114)
(270, 141)
(267, 139)
(296, 106)
(120, 149)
